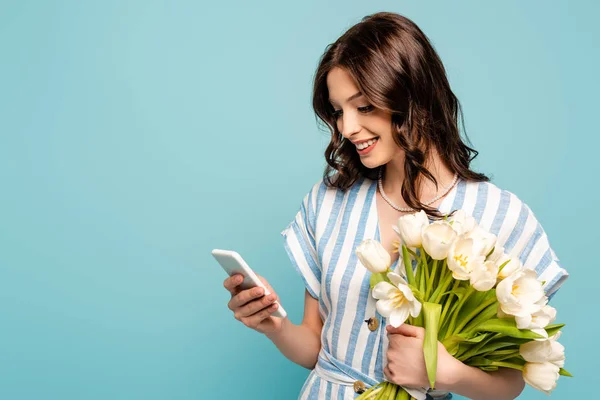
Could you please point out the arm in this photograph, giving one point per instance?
(301, 343)
(473, 383)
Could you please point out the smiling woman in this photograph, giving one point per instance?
(395, 148)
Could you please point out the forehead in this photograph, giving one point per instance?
(341, 85)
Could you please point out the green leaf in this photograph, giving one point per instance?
(469, 350)
(432, 313)
(376, 278)
(507, 327)
(489, 368)
(501, 355)
(473, 302)
(485, 315)
(503, 264)
(410, 276)
(494, 345)
(508, 364)
(564, 372)
(479, 362)
(402, 394)
(553, 329)
(488, 308)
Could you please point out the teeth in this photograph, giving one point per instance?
(364, 145)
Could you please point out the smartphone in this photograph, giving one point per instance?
(233, 264)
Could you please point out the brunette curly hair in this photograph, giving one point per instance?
(397, 69)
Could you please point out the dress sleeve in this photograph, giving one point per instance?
(300, 245)
(530, 243)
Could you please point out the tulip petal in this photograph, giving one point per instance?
(396, 279)
(383, 290)
(384, 307)
(398, 316)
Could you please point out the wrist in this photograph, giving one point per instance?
(453, 377)
(277, 333)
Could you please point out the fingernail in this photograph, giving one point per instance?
(271, 297)
(258, 291)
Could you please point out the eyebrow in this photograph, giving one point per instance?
(355, 95)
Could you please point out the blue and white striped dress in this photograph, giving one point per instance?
(321, 241)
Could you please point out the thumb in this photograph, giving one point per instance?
(406, 330)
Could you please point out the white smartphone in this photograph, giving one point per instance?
(233, 264)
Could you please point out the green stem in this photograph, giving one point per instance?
(410, 277)
(412, 252)
(507, 365)
(402, 394)
(431, 279)
(447, 304)
(474, 314)
(490, 312)
(446, 280)
(470, 290)
(423, 284)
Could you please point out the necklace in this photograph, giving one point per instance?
(408, 209)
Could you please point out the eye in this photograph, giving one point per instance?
(364, 110)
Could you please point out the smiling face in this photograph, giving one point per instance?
(357, 120)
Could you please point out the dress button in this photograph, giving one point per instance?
(359, 387)
(372, 323)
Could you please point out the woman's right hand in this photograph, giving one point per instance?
(251, 307)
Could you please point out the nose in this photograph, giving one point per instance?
(350, 125)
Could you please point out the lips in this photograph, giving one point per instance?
(367, 150)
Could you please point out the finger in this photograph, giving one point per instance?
(387, 373)
(264, 281)
(255, 306)
(232, 282)
(244, 297)
(406, 330)
(254, 320)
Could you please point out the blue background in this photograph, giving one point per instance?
(137, 136)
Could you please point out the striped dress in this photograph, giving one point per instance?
(321, 240)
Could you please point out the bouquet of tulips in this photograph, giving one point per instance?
(484, 307)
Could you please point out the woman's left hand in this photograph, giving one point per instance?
(406, 362)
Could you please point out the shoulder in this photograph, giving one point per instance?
(325, 192)
(500, 211)
(492, 205)
(519, 231)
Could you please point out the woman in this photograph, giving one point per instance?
(395, 148)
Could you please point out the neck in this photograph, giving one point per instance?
(394, 177)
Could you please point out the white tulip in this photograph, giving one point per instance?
(541, 376)
(513, 265)
(409, 227)
(462, 223)
(484, 239)
(502, 315)
(396, 301)
(437, 239)
(463, 258)
(496, 254)
(373, 256)
(484, 276)
(537, 321)
(541, 351)
(519, 293)
(500, 257)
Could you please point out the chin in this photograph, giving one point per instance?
(371, 163)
